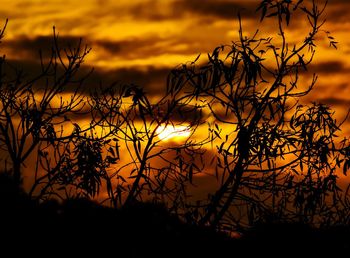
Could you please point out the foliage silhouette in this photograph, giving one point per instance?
(280, 157)
(275, 159)
(34, 114)
(136, 124)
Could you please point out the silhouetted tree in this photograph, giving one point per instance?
(279, 158)
(149, 168)
(35, 113)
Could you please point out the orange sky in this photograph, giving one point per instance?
(143, 39)
(139, 41)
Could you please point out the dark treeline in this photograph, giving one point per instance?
(79, 226)
(276, 161)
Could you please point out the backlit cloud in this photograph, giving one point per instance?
(225, 9)
(141, 40)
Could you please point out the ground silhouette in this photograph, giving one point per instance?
(84, 227)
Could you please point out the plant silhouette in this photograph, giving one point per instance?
(119, 111)
(280, 158)
(275, 160)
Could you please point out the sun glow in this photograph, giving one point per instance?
(167, 132)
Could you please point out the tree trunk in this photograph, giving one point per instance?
(17, 176)
(214, 205)
(132, 194)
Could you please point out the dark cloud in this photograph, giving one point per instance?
(136, 47)
(32, 71)
(337, 11)
(153, 10)
(223, 9)
(342, 86)
(337, 2)
(337, 15)
(29, 47)
(226, 9)
(152, 79)
(333, 101)
(330, 67)
(145, 47)
(116, 47)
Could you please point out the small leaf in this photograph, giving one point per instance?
(272, 14)
(195, 60)
(287, 17)
(111, 150)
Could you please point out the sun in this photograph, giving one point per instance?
(173, 132)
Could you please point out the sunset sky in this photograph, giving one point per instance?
(139, 41)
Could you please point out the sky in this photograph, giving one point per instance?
(140, 41)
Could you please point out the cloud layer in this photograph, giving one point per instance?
(140, 41)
